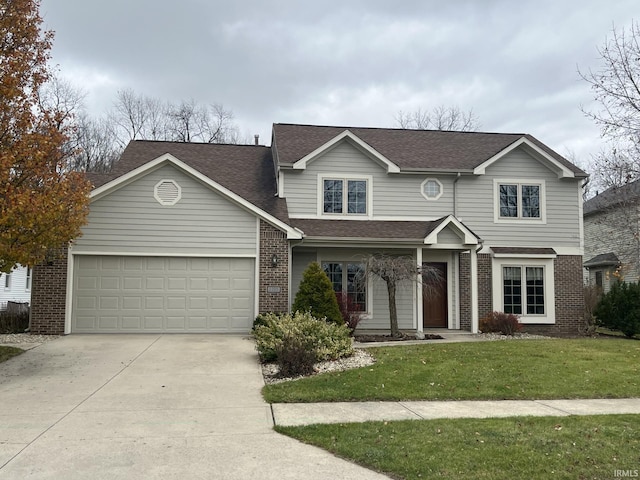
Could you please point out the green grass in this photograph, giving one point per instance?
(589, 447)
(522, 369)
(7, 352)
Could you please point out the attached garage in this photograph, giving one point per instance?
(162, 294)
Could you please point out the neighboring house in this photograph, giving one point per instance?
(612, 236)
(15, 286)
(189, 237)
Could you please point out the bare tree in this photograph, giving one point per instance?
(395, 270)
(616, 90)
(137, 117)
(191, 122)
(96, 148)
(439, 118)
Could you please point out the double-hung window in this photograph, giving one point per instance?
(344, 196)
(349, 278)
(523, 290)
(519, 201)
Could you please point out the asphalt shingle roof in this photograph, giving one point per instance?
(611, 197)
(409, 149)
(246, 170)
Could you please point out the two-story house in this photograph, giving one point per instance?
(612, 236)
(200, 238)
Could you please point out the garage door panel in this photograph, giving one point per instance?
(154, 294)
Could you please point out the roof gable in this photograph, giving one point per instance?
(538, 153)
(467, 237)
(349, 137)
(129, 170)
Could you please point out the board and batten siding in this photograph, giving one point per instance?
(562, 197)
(392, 193)
(203, 222)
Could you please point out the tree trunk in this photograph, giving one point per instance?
(393, 311)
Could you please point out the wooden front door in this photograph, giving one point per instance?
(435, 304)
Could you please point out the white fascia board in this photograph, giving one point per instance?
(561, 170)
(468, 236)
(170, 159)
(372, 152)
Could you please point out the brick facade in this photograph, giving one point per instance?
(568, 289)
(274, 281)
(569, 298)
(49, 295)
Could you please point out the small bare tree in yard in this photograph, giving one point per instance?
(394, 270)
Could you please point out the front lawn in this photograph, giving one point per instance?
(588, 447)
(518, 369)
(7, 352)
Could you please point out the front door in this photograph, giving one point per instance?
(434, 299)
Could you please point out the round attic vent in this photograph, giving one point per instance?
(167, 192)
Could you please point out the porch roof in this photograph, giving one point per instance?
(609, 259)
(414, 231)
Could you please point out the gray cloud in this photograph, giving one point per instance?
(346, 63)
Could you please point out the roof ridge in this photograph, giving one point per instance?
(346, 127)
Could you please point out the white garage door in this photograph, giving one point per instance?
(162, 294)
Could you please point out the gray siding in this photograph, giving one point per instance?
(392, 193)
(476, 206)
(202, 222)
(616, 231)
(379, 318)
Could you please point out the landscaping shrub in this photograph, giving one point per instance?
(500, 322)
(295, 355)
(326, 341)
(592, 296)
(350, 316)
(619, 308)
(316, 295)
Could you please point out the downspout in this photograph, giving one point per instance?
(455, 196)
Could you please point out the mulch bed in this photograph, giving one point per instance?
(389, 338)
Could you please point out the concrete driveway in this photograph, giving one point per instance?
(147, 406)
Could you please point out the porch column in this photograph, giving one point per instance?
(474, 289)
(419, 297)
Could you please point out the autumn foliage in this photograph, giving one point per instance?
(42, 204)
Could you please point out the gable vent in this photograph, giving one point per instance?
(167, 192)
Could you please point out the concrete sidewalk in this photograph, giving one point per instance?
(291, 414)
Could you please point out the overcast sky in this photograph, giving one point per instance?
(350, 63)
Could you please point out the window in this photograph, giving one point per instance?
(519, 201)
(334, 199)
(7, 281)
(531, 300)
(431, 189)
(348, 277)
(28, 279)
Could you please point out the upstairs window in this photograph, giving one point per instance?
(519, 201)
(431, 189)
(344, 196)
(28, 279)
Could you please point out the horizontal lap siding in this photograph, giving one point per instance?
(562, 228)
(202, 222)
(392, 193)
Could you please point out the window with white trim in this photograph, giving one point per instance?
(7, 281)
(520, 200)
(28, 278)
(344, 196)
(523, 290)
(524, 287)
(349, 278)
(431, 189)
